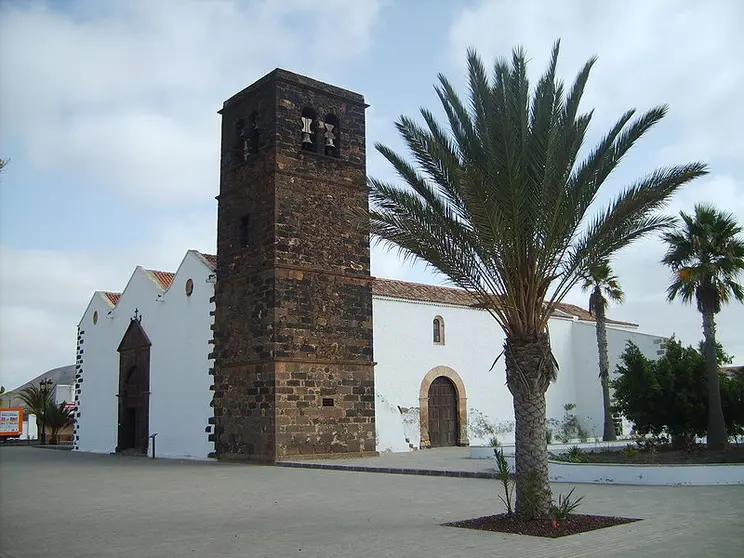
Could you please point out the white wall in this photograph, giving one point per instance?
(589, 389)
(179, 368)
(179, 329)
(405, 352)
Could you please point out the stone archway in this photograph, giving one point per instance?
(462, 404)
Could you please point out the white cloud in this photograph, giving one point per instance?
(683, 53)
(125, 94)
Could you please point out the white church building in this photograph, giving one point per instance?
(421, 333)
(284, 345)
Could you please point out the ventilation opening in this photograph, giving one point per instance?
(327, 402)
(245, 222)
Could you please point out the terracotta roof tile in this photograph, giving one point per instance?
(163, 278)
(458, 297)
(112, 297)
(211, 260)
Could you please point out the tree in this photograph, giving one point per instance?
(669, 396)
(36, 402)
(58, 417)
(604, 286)
(499, 205)
(706, 255)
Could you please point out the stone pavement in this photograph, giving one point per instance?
(70, 504)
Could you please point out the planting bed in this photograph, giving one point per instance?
(575, 523)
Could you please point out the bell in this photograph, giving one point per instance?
(306, 138)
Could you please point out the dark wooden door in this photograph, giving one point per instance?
(442, 413)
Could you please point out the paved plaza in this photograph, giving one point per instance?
(59, 503)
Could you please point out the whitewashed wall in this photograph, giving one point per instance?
(589, 390)
(179, 368)
(179, 329)
(405, 352)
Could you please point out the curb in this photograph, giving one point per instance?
(389, 470)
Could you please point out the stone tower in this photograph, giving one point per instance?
(292, 328)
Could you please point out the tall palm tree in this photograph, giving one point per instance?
(706, 255)
(604, 286)
(499, 204)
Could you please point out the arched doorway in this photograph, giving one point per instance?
(443, 409)
(134, 391)
(442, 413)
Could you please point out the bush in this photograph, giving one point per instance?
(669, 397)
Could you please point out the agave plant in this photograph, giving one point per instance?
(500, 203)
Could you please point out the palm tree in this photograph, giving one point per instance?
(706, 255)
(604, 286)
(498, 204)
(58, 417)
(36, 402)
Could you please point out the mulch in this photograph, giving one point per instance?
(575, 523)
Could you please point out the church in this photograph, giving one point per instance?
(282, 345)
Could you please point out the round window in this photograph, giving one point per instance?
(189, 287)
(95, 317)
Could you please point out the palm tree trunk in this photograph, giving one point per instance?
(529, 368)
(717, 437)
(608, 434)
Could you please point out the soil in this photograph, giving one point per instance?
(575, 523)
(698, 454)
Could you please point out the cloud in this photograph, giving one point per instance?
(125, 94)
(683, 53)
(121, 97)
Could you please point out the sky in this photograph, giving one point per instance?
(109, 117)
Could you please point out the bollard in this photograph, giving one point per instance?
(153, 444)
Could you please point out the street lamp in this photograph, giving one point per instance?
(45, 386)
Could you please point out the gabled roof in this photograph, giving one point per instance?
(113, 298)
(162, 278)
(209, 259)
(459, 297)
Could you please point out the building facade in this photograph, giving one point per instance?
(283, 345)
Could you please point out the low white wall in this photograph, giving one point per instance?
(649, 475)
(658, 475)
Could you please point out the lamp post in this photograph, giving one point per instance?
(45, 386)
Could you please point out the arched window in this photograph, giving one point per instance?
(438, 333)
(309, 129)
(332, 135)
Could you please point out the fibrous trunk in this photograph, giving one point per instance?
(529, 369)
(717, 437)
(604, 375)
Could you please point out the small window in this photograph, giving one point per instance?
(332, 134)
(438, 333)
(189, 287)
(253, 133)
(241, 141)
(95, 317)
(309, 129)
(245, 222)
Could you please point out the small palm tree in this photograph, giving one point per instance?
(36, 402)
(604, 286)
(499, 204)
(706, 255)
(58, 417)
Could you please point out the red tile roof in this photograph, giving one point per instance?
(113, 297)
(211, 260)
(163, 278)
(458, 297)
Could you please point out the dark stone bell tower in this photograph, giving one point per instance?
(293, 356)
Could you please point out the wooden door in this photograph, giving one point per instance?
(442, 413)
